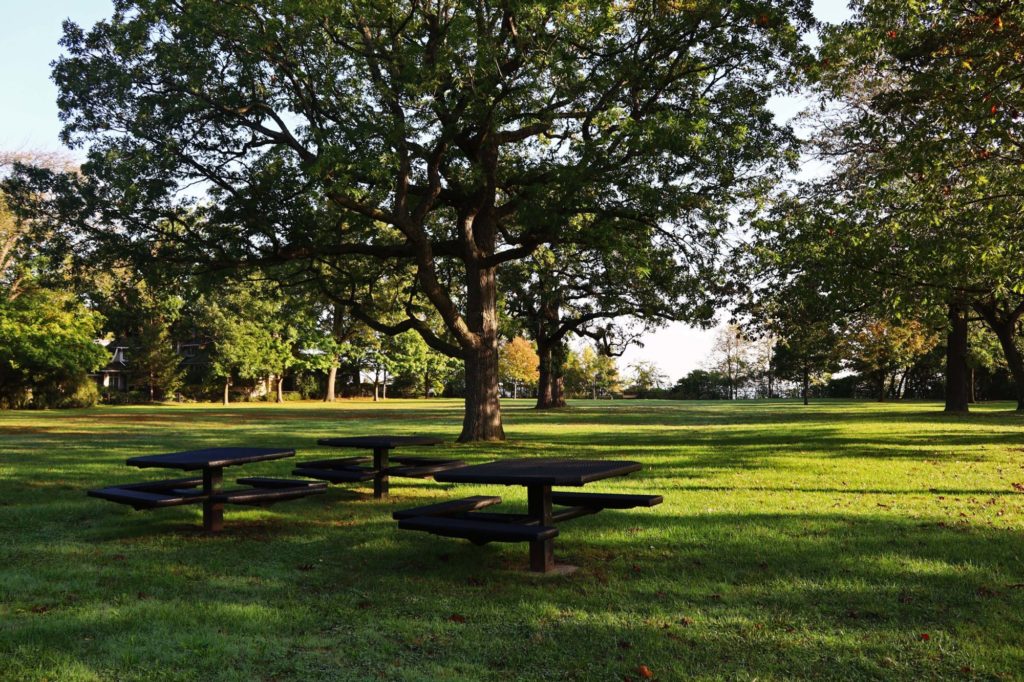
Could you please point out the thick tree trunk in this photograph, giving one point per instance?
(881, 385)
(550, 392)
(807, 385)
(227, 387)
(384, 387)
(956, 360)
(280, 388)
(332, 378)
(482, 420)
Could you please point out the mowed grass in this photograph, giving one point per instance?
(844, 540)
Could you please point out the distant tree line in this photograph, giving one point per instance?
(871, 358)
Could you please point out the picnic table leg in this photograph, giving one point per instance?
(380, 480)
(542, 552)
(213, 512)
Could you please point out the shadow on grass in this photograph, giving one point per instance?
(814, 595)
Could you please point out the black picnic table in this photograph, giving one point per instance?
(349, 469)
(462, 518)
(207, 490)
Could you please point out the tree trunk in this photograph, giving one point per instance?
(482, 420)
(227, 386)
(956, 360)
(901, 387)
(972, 396)
(1014, 360)
(384, 387)
(807, 385)
(550, 393)
(376, 389)
(332, 377)
(280, 388)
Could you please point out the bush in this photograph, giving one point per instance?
(85, 394)
(76, 391)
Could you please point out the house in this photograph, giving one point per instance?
(114, 375)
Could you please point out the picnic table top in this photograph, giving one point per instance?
(372, 442)
(210, 458)
(571, 472)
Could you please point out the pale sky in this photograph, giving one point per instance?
(29, 33)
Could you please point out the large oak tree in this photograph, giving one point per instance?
(443, 138)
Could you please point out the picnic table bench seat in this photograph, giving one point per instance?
(414, 467)
(337, 462)
(267, 491)
(351, 474)
(466, 504)
(604, 500)
(477, 531)
(346, 469)
(153, 494)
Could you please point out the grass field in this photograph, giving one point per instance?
(842, 540)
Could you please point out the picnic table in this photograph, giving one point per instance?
(207, 489)
(462, 518)
(350, 469)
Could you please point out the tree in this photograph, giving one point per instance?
(590, 373)
(240, 319)
(886, 350)
(438, 142)
(730, 356)
(518, 363)
(926, 198)
(647, 377)
(700, 384)
(47, 345)
(154, 362)
(30, 251)
(584, 288)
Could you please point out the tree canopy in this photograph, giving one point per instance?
(429, 143)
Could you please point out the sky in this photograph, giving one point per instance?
(29, 35)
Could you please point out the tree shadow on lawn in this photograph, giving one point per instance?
(746, 412)
(791, 595)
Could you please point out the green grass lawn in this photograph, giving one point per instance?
(844, 540)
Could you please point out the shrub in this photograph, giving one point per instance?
(85, 394)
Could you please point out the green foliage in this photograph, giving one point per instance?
(250, 339)
(47, 345)
(425, 147)
(646, 377)
(701, 384)
(590, 374)
(153, 362)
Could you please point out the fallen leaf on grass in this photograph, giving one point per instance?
(457, 618)
(645, 672)
(1019, 487)
(924, 637)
